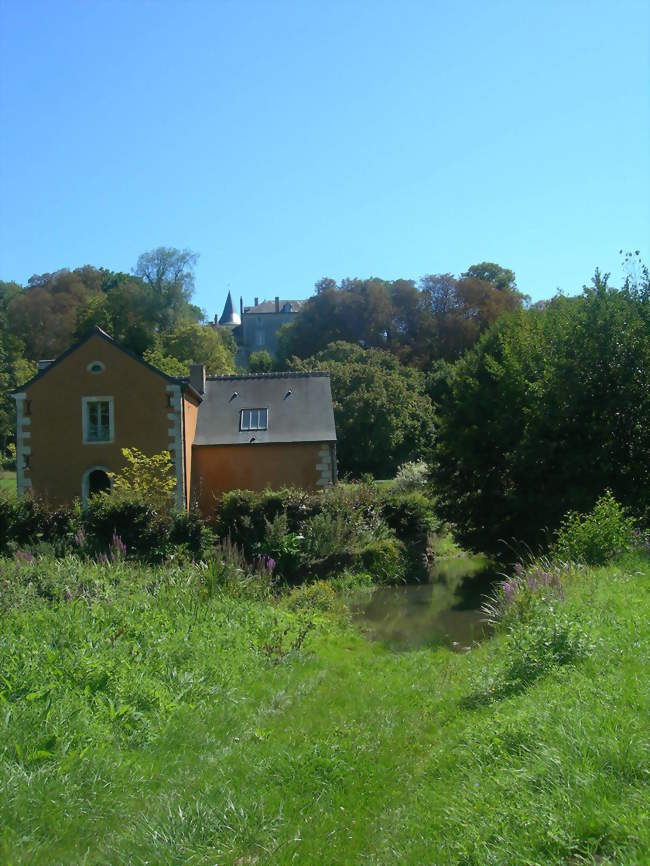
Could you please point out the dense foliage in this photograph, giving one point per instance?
(596, 537)
(549, 409)
(303, 536)
(438, 318)
(382, 412)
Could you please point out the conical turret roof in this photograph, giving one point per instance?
(229, 318)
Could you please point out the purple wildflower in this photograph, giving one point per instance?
(80, 537)
(117, 549)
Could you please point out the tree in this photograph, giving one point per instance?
(15, 369)
(150, 478)
(194, 344)
(166, 363)
(44, 315)
(440, 319)
(169, 273)
(462, 309)
(383, 416)
(502, 279)
(549, 409)
(355, 311)
(260, 362)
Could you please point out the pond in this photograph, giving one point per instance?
(444, 611)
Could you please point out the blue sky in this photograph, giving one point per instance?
(286, 141)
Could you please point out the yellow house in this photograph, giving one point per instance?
(222, 433)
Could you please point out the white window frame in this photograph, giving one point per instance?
(84, 420)
(260, 337)
(250, 429)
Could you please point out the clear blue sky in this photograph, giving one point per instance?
(285, 141)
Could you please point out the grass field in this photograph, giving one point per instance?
(144, 722)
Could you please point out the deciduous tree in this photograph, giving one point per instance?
(383, 415)
(548, 410)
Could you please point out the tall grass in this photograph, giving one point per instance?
(145, 718)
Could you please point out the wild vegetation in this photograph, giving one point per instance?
(546, 411)
(200, 713)
(305, 535)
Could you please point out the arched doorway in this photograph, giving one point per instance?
(95, 480)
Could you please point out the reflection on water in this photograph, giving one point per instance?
(445, 611)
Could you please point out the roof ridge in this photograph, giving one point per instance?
(96, 331)
(284, 375)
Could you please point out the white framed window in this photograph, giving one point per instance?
(259, 337)
(253, 419)
(98, 420)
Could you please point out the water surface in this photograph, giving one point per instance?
(444, 611)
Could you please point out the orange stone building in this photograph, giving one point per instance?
(222, 432)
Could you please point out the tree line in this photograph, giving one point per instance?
(521, 411)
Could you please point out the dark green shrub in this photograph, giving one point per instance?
(18, 521)
(282, 547)
(27, 522)
(189, 532)
(141, 528)
(243, 515)
(411, 517)
(315, 535)
(384, 559)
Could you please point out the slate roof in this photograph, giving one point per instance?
(229, 316)
(299, 408)
(269, 307)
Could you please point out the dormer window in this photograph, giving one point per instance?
(253, 419)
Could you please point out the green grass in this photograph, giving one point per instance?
(142, 722)
(7, 481)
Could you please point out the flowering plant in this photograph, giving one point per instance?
(517, 595)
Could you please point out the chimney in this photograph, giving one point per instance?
(43, 365)
(241, 308)
(257, 300)
(197, 377)
(277, 304)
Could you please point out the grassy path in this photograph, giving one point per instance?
(346, 753)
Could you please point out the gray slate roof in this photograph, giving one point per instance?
(229, 316)
(299, 408)
(269, 307)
